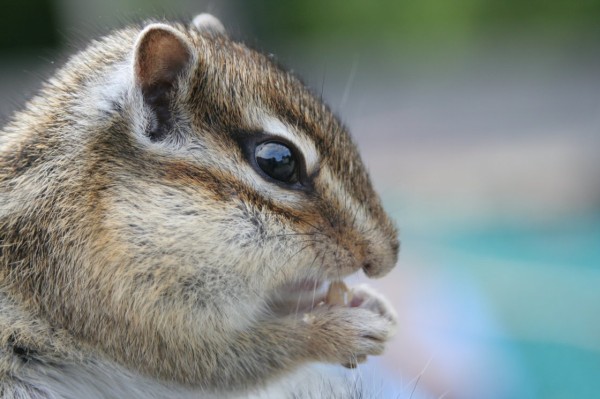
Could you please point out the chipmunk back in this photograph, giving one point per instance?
(172, 206)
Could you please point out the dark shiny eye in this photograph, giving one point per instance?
(278, 161)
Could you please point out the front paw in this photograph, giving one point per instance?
(346, 334)
(366, 297)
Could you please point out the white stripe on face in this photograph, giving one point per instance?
(275, 127)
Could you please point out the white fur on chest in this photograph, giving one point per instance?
(107, 380)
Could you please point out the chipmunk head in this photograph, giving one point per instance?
(200, 177)
(247, 168)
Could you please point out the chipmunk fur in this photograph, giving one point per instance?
(144, 253)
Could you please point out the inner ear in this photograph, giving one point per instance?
(162, 55)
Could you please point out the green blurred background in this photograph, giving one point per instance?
(480, 123)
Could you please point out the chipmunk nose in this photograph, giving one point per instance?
(380, 262)
(377, 269)
(369, 269)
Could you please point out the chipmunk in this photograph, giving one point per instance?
(172, 207)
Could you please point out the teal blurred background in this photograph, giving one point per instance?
(480, 123)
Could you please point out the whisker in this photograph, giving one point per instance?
(300, 296)
(314, 294)
(295, 234)
(350, 81)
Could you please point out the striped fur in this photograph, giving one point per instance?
(170, 260)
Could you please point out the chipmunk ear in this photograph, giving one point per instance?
(208, 23)
(162, 55)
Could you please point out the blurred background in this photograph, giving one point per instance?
(480, 123)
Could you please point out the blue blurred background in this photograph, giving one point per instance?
(480, 123)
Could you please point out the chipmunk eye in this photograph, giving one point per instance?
(278, 161)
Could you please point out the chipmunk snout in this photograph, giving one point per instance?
(382, 261)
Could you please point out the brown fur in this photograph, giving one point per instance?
(167, 256)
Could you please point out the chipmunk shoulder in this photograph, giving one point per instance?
(173, 205)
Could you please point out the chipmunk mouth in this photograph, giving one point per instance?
(306, 295)
(298, 297)
(305, 286)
